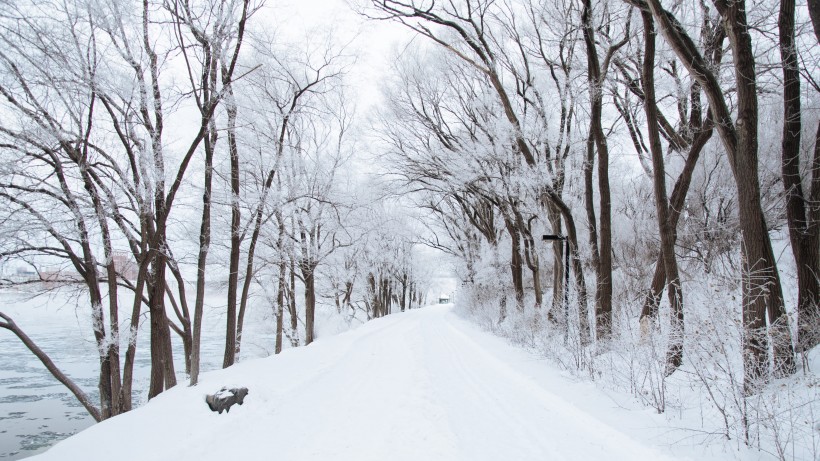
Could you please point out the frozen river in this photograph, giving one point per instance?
(36, 410)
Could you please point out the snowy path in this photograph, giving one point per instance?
(414, 386)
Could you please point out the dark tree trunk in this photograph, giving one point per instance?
(109, 380)
(246, 285)
(814, 13)
(676, 204)
(412, 296)
(403, 291)
(227, 70)
(530, 256)
(589, 206)
(280, 308)
(294, 315)
(388, 289)
(374, 296)
(202, 258)
(310, 302)
(104, 383)
(803, 230)
(674, 355)
(236, 237)
(163, 375)
(516, 264)
(111, 348)
(603, 305)
(114, 325)
(762, 293)
(136, 309)
(210, 140)
(534, 267)
(281, 281)
(809, 317)
(699, 131)
(557, 309)
(182, 312)
(584, 328)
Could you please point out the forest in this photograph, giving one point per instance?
(631, 187)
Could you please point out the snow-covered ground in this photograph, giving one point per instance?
(424, 384)
(36, 410)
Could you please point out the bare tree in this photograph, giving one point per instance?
(670, 264)
(294, 86)
(472, 43)
(762, 295)
(802, 209)
(602, 252)
(117, 156)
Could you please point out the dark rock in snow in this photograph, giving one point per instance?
(225, 398)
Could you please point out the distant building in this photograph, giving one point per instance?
(26, 272)
(125, 266)
(23, 275)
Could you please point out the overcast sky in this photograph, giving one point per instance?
(374, 42)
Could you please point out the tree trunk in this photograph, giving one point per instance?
(111, 347)
(762, 293)
(516, 264)
(676, 204)
(108, 348)
(294, 316)
(246, 285)
(412, 296)
(202, 258)
(814, 14)
(536, 283)
(700, 131)
(163, 375)
(236, 238)
(183, 313)
(589, 206)
(104, 383)
(374, 296)
(557, 309)
(114, 346)
(803, 230)
(281, 281)
(388, 291)
(126, 400)
(403, 291)
(809, 317)
(280, 308)
(530, 256)
(584, 329)
(603, 307)
(674, 355)
(310, 302)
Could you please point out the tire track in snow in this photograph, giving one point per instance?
(492, 425)
(568, 432)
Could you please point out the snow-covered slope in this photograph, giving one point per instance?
(423, 385)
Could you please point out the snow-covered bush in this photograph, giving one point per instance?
(706, 394)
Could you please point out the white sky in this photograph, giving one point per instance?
(374, 42)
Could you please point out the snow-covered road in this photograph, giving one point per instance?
(423, 385)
